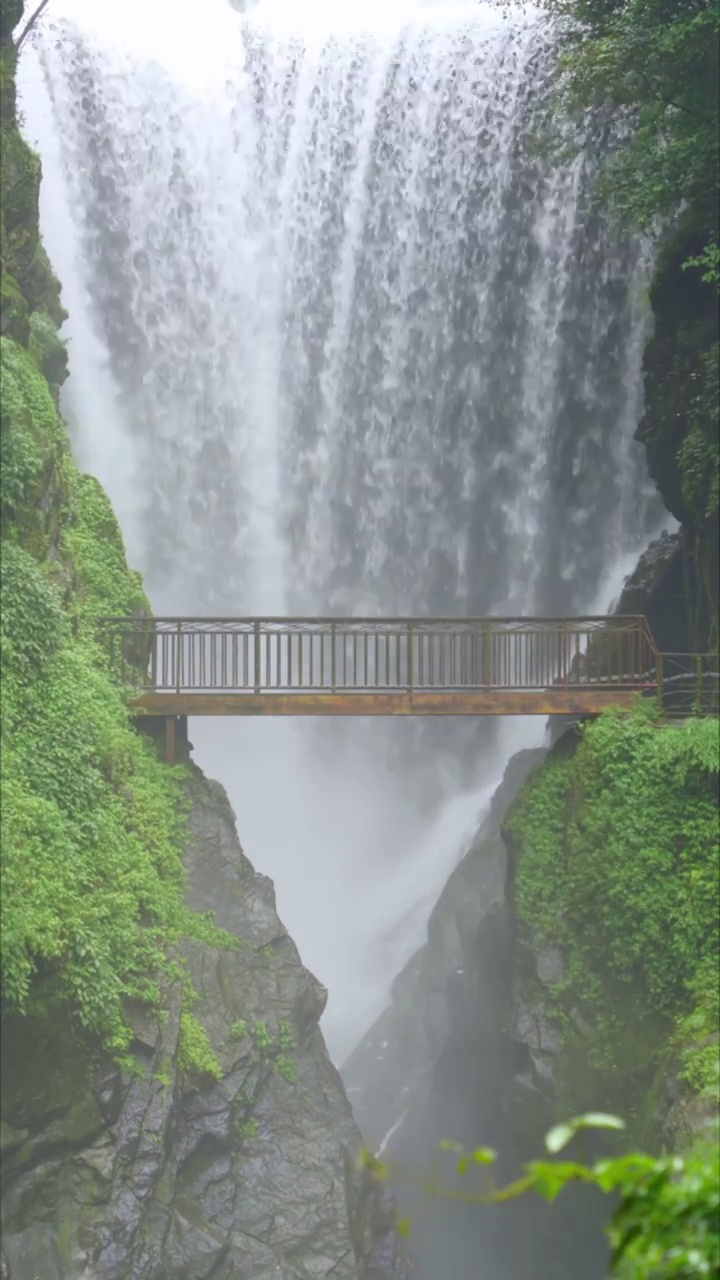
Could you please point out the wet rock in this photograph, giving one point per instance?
(448, 1003)
(550, 966)
(156, 1175)
(656, 588)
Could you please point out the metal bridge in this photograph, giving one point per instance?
(179, 667)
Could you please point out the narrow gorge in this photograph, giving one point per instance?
(321, 310)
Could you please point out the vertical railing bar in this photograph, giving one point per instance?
(257, 660)
(333, 638)
(178, 671)
(409, 643)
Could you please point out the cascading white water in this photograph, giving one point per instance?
(341, 340)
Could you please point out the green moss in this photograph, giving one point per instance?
(93, 544)
(93, 821)
(263, 1039)
(33, 624)
(196, 1055)
(14, 322)
(617, 864)
(42, 287)
(10, 14)
(20, 173)
(34, 452)
(47, 348)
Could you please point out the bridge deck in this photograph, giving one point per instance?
(400, 666)
(464, 702)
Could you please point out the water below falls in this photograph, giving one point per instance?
(342, 341)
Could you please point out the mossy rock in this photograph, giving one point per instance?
(32, 491)
(614, 863)
(679, 427)
(42, 287)
(8, 61)
(11, 12)
(14, 321)
(20, 173)
(47, 348)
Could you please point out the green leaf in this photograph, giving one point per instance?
(598, 1120)
(558, 1137)
(484, 1155)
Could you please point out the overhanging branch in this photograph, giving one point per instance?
(31, 23)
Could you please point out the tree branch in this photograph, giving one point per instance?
(30, 23)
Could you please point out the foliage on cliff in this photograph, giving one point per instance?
(651, 68)
(92, 886)
(616, 847)
(654, 66)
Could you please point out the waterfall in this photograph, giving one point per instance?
(342, 340)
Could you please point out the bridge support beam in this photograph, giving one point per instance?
(170, 739)
(176, 738)
(168, 732)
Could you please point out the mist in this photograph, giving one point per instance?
(341, 343)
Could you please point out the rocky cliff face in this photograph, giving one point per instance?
(160, 1174)
(679, 426)
(570, 967)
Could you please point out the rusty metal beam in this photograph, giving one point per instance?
(170, 735)
(480, 702)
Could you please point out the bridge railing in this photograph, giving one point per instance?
(688, 684)
(268, 655)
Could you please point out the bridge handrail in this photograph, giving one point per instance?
(406, 655)
(402, 654)
(637, 620)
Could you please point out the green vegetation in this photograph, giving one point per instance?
(93, 822)
(196, 1055)
(654, 64)
(651, 68)
(616, 846)
(665, 1225)
(278, 1050)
